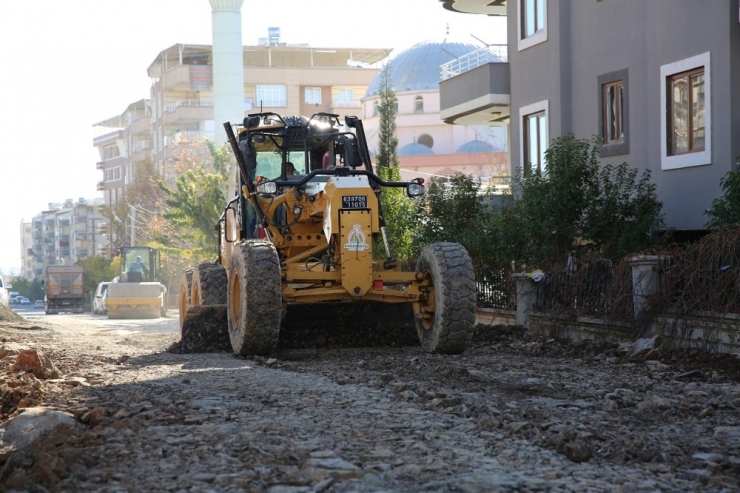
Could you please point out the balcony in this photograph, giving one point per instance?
(187, 111)
(476, 89)
(187, 78)
(346, 104)
(141, 146)
(141, 126)
(99, 165)
(101, 186)
(107, 139)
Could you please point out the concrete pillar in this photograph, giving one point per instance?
(228, 65)
(644, 280)
(526, 297)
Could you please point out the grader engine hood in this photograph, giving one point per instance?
(350, 221)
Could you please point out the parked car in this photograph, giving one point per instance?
(14, 297)
(99, 300)
(38, 304)
(4, 296)
(25, 301)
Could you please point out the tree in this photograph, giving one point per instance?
(725, 210)
(458, 210)
(396, 208)
(97, 269)
(193, 203)
(30, 289)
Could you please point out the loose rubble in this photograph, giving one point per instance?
(516, 412)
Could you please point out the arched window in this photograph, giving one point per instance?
(418, 104)
(426, 139)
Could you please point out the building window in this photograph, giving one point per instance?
(613, 97)
(613, 113)
(533, 17)
(686, 104)
(110, 152)
(534, 137)
(532, 22)
(418, 104)
(686, 110)
(271, 95)
(113, 174)
(376, 108)
(313, 95)
(426, 139)
(345, 96)
(535, 143)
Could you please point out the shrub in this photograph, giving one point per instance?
(725, 210)
(578, 206)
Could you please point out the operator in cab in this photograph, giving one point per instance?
(137, 271)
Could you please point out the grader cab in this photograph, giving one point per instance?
(302, 231)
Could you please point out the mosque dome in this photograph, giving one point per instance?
(414, 149)
(474, 146)
(418, 67)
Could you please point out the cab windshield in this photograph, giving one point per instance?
(269, 164)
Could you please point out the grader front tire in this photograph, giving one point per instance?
(254, 301)
(445, 318)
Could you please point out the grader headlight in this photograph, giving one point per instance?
(267, 187)
(415, 189)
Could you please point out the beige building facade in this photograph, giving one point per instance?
(427, 146)
(292, 80)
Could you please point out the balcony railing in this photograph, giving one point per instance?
(346, 104)
(99, 165)
(188, 102)
(475, 59)
(101, 186)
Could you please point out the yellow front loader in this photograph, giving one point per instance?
(302, 231)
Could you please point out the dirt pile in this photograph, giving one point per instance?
(8, 315)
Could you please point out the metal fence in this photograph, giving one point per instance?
(494, 286)
(583, 289)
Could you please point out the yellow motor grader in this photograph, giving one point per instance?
(302, 230)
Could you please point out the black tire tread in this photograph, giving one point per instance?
(455, 298)
(256, 329)
(210, 282)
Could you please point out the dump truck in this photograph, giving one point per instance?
(306, 229)
(65, 289)
(137, 292)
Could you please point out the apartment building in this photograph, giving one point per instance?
(653, 80)
(122, 141)
(62, 235)
(286, 79)
(27, 259)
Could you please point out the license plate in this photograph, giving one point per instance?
(354, 201)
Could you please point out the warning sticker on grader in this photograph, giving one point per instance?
(356, 240)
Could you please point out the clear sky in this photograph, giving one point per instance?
(69, 64)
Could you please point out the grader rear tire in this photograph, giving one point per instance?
(184, 299)
(445, 319)
(208, 285)
(254, 300)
